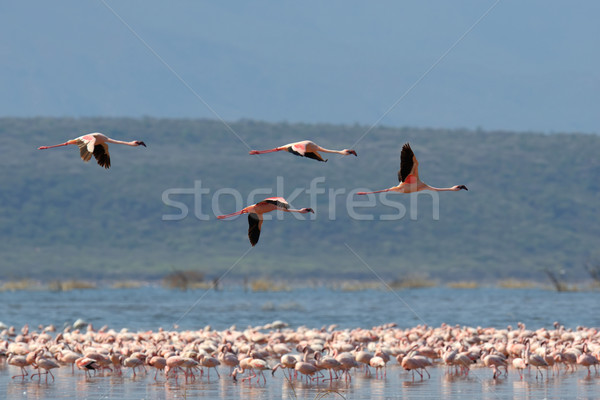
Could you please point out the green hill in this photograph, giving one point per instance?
(533, 202)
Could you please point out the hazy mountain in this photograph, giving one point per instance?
(533, 201)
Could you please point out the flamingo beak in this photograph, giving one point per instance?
(353, 152)
(140, 143)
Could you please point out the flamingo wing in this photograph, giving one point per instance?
(86, 147)
(278, 202)
(300, 148)
(408, 164)
(102, 155)
(254, 224)
(315, 156)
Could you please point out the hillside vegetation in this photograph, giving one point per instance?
(533, 202)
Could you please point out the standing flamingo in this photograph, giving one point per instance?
(256, 211)
(18, 361)
(305, 148)
(95, 144)
(44, 363)
(408, 176)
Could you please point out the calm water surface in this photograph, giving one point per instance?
(150, 308)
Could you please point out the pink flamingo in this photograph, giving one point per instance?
(535, 360)
(287, 361)
(305, 148)
(46, 364)
(87, 364)
(496, 362)
(18, 361)
(95, 144)
(174, 363)
(209, 362)
(408, 176)
(519, 364)
(256, 211)
(157, 362)
(413, 362)
(587, 360)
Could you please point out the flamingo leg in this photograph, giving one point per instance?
(231, 215)
(377, 191)
(56, 145)
(253, 152)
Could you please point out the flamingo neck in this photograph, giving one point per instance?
(132, 143)
(331, 151)
(438, 189)
(292, 210)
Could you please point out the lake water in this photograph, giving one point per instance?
(149, 308)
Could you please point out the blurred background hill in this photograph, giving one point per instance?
(533, 202)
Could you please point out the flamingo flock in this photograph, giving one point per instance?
(326, 354)
(96, 144)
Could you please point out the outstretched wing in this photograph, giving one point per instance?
(315, 156)
(278, 202)
(254, 224)
(86, 147)
(300, 149)
(408, 164)
(102, 156)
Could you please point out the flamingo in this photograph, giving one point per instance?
(408, 176)
(535, 360)
(159, 363)
(519, 364)
(414, 362)
(305, 148)
(46, 364)
(587, 360)
(227, 358)
(87, 364)
(496, 362)
(287, 361)
(18, 361)
(134, 362)
(256, 211)
(95, 144)
(209, 362)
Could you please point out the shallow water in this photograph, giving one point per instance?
(151, 307)
(396, 384)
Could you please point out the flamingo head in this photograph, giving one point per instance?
(307, 210)
(348, 152)
(460, 187)
(140, 143)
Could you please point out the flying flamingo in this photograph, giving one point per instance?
(256, 211)
(305, 148)
(408, 176)
(95, 144)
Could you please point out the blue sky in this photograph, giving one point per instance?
(526, 66)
